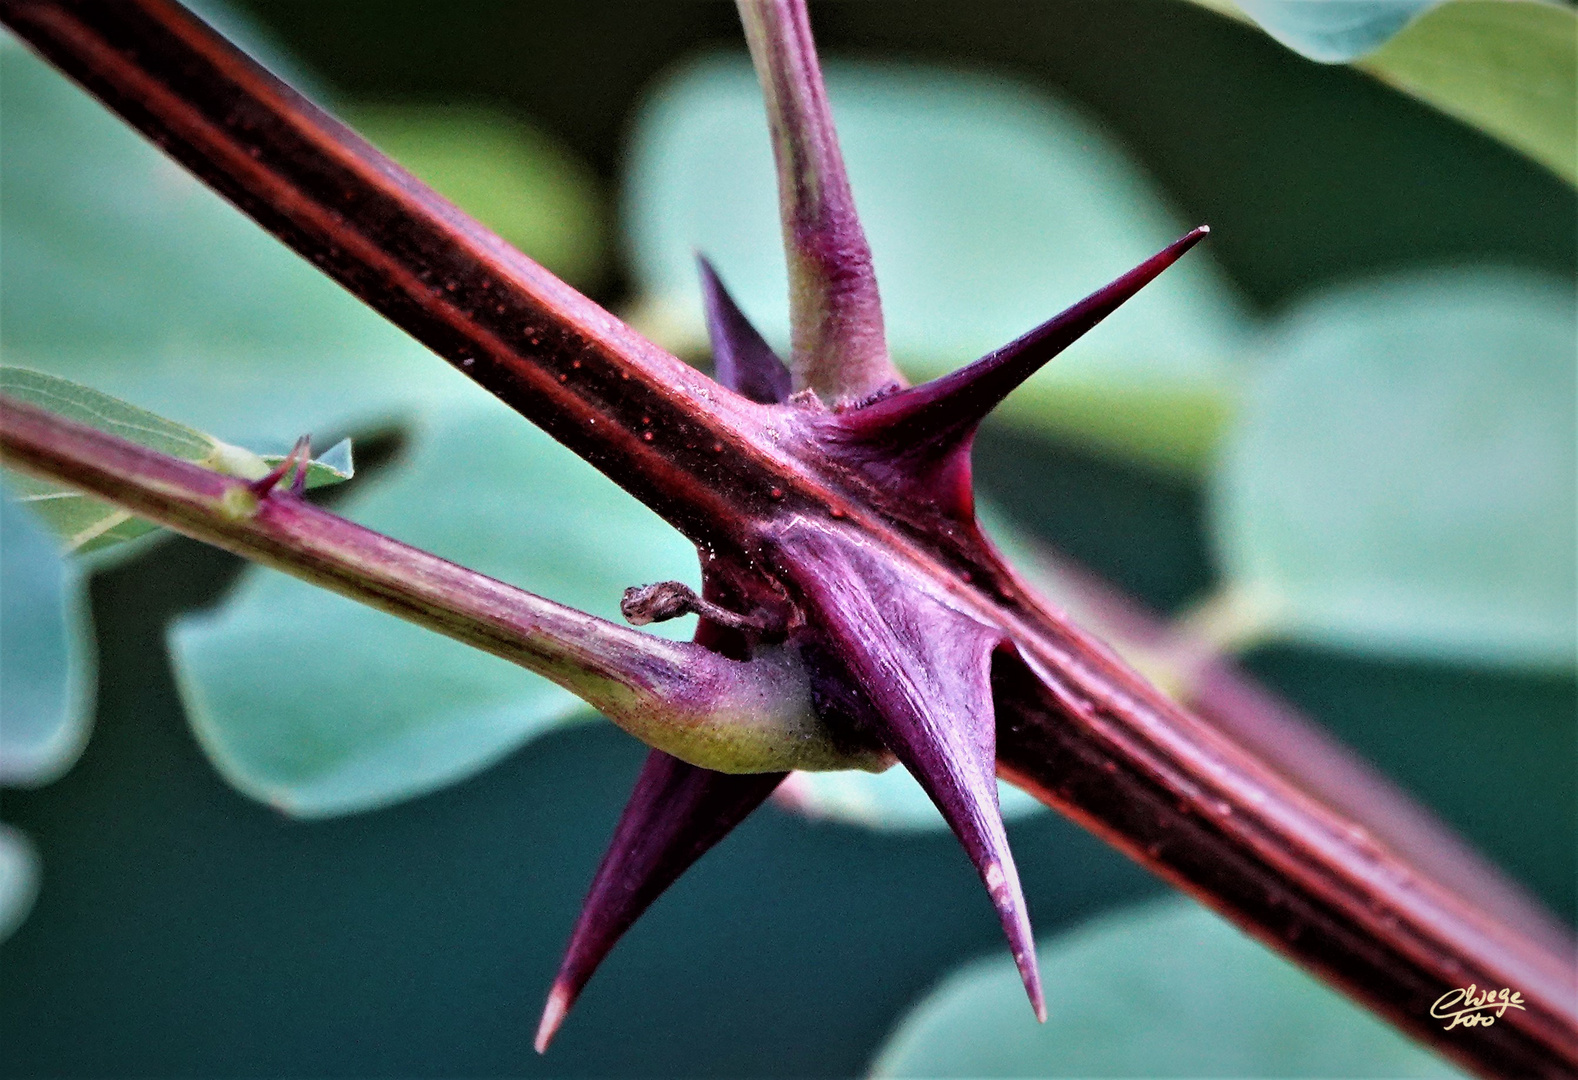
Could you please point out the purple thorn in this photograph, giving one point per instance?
(926, 668)
(742, 359)
(264, 485)
(941, 415)
(298, 483)
(675, 814)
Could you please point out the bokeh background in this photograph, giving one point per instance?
(185, 929)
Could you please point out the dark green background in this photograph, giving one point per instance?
(185, 930)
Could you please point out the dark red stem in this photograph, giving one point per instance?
(1223, 694)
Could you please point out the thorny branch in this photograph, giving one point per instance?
(839, 525)
(688, 700)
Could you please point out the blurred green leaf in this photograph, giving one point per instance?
(19, 869)
(1333, 31)
(1401, 477)
(124, 273)
(47, 662)
(1508, 67)
(1165, 989)
(86, 524)
(321, 706)
(989, 208)
(516, 180)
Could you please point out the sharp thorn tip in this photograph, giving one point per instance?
(553, 1014)
(1030, 975)
(949, 408)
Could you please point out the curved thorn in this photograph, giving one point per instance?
(298, 483)
(742, 359)
(265, 485)
(926, 669)
(676, 813)
(946, 411)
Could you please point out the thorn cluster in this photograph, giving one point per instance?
(893, 655)
(921, 665)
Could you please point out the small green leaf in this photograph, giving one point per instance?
(1333, 31)
(335, 465)
(1165, 989)
(989, 208)
(319, 705)
(86, 524)
(46, 652)
(19, 872)
(1401, 477)
(513, 178)
(88, 406)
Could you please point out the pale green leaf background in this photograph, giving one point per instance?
(319, 705)
(989, 208)
(46, 651)
(19, 874)
(1401, 476)
(1167, 989)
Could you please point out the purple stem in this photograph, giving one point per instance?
(839, 348)
(1223, 694)
(681, 695)
(677, 812)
